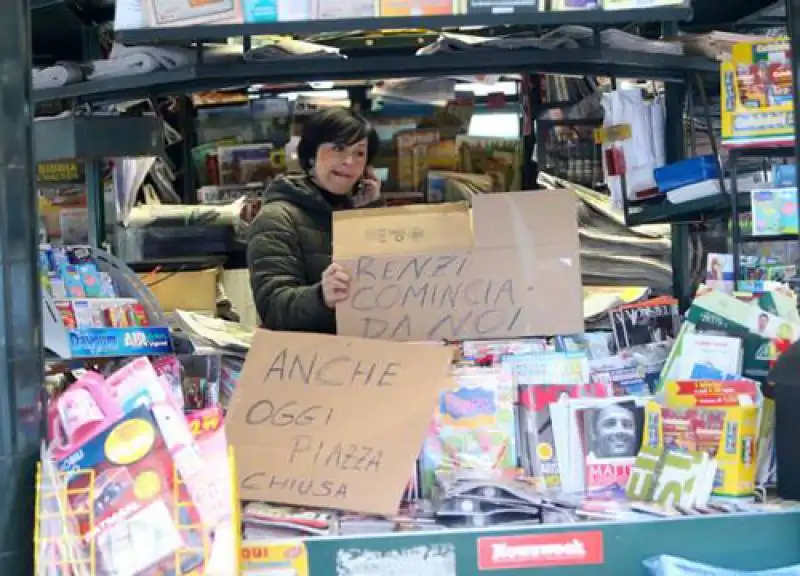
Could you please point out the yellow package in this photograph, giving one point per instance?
(717, 417)
(756, 97)
(287, 558)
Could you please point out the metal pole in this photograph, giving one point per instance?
(20, 307)
(793, 17)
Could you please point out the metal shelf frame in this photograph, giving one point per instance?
(206, 33)
(581, 61)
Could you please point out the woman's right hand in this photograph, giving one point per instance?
(335, 285)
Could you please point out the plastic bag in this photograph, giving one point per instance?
(673, 566)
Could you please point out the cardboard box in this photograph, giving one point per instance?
(508, 268)
(194, 290)
(757, 106)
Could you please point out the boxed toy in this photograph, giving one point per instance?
(133, 511)
(714, 417)
(757, 94)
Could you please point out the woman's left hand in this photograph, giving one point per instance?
(370, 189)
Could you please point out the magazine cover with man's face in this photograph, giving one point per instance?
(611, 435)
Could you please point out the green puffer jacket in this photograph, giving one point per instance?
(289, 248)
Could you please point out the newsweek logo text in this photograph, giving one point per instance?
(540, 550)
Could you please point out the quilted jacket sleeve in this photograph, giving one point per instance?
(282, 297)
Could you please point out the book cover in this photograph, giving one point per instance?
(246, 163)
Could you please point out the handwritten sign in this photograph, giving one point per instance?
(507, 268)
(396, 235)
(434, 297)
(332, 422)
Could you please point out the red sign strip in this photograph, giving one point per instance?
(540, 550)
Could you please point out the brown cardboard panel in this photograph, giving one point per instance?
(521, 277)
(333, 422)
(402, 229)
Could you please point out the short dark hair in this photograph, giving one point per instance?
(335, 125)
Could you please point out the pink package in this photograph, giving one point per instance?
(85, 409)
(169, 369)
(212, 491)
(137, 384)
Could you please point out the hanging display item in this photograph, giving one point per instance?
(757, 106)
(91, 311)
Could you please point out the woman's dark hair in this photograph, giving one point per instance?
(335, 126)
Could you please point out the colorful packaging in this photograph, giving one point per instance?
(757, 94)
(473, 429)
(137, 315)
(283, 557)
(67, 314)
(718, 418)
(762, 333)
(107, 289)
(211, 490)
(90, 279)
(56, 287)
(88, 314)
(775, 211)
(72, 282)
(168, 369)
(415, 7)
(130, 502)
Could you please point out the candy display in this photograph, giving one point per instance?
(94, 312)
(757, 94)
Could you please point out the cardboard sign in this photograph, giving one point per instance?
(332, 422)
(431, 273)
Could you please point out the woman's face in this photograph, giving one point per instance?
(338, 167)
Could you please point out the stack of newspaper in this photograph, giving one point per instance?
(212, 335)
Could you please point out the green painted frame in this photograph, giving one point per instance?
(746, 542)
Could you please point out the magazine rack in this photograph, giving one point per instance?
(59, 549)
(108, 342)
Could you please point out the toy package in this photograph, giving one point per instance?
(133, 462)
(775, 211)
(712, 417)
(473, 430)
(757, 94)
(130, 502)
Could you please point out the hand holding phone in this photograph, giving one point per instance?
(369, 188)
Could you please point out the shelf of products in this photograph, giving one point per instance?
(521, 17)
(581, 61)
(774, 215)
(93, 307)
(643, 420)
